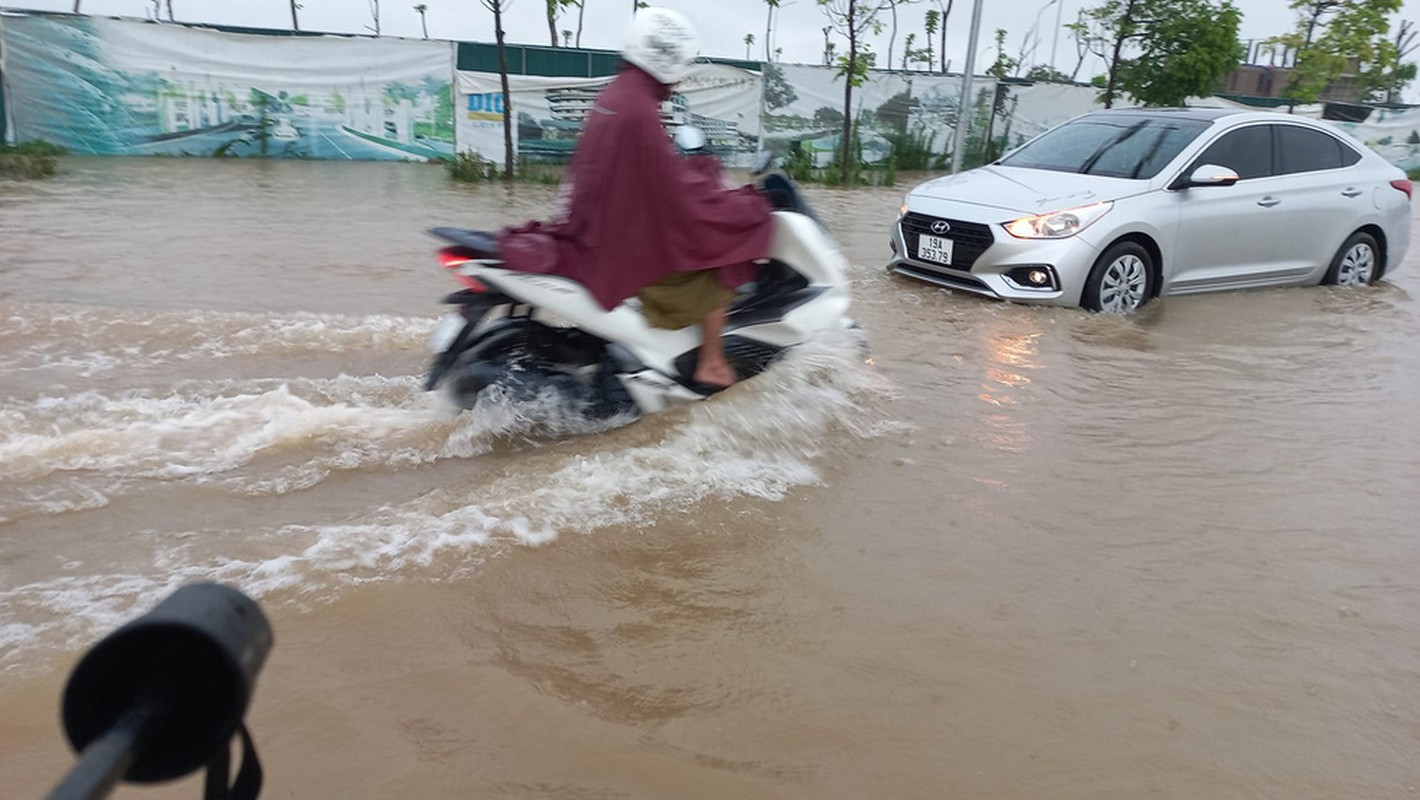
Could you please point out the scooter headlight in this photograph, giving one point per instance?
(1057, 224)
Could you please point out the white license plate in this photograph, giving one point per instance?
(445, 332)
(934, 248)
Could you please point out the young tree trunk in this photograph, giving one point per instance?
(76, 6)
(581, 7)
(507, 100)
(892, 37)
(552, 21)
(1123, 32)
(295, 23)
(768, 31)
(946, 12)
(848, 90)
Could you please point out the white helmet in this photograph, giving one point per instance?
(661, 42)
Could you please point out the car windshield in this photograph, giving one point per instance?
(1118, 147)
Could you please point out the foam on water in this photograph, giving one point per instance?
(94, 342)
(273, 437)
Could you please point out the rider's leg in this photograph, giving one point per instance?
(712, 367)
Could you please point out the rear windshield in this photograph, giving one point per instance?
(1118, 147)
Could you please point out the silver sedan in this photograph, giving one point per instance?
(1117, 207)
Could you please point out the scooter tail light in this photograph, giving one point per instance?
(451, 258)
(1403, 185)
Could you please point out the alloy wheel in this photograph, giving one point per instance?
(1357, 267)
(1123, 284)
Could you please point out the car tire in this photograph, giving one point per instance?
(1357, 263)
(1122, 280)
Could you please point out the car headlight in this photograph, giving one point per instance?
(902, 210)
(1057, 224)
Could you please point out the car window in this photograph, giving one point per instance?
(1305, 150)
(1246, 151)
(1120, 147)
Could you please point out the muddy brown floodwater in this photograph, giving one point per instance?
(1021, 553)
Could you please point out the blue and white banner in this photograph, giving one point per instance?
(116, 87)
(548, 113)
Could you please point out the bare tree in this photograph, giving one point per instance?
(76, 6)
(1402, 72)
(498, 7)
(423, 24)
(170, 11)
(1090, 40)
(581, 8)
(892, 37)
(375, 12)
(295, 23)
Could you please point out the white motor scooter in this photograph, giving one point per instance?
(531, 333)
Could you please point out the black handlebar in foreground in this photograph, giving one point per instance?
(163, 695)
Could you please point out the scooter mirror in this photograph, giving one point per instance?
(690, 139)
(763, 162)
(187, 668)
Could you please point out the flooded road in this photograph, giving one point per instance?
(1022, 553)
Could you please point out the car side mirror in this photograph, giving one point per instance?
(1208, 175)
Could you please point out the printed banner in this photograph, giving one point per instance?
(803, 112)
(114, 87)
(548, 113)
(1033, 109)
(911, 116)
(1393, 134)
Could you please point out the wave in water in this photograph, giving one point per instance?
(278, 437)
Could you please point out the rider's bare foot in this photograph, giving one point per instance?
(715, 374)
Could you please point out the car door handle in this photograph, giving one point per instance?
(1351, 191)
(1269, 201)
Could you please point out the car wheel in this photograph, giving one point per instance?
(1356, 262)
(1122, 280)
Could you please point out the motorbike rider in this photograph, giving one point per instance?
(635, 218)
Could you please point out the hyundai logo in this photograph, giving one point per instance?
(940, 226)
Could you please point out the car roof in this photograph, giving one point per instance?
(1209, 114)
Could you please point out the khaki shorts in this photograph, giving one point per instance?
(683, 298)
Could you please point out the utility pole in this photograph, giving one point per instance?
(963, 110)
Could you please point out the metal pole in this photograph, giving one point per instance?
(963, 110)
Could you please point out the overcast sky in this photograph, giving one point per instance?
(723, 24)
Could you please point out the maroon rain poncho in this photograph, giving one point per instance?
(633, 211)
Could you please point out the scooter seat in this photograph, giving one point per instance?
(484, 243)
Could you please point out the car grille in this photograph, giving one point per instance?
(970, 239)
